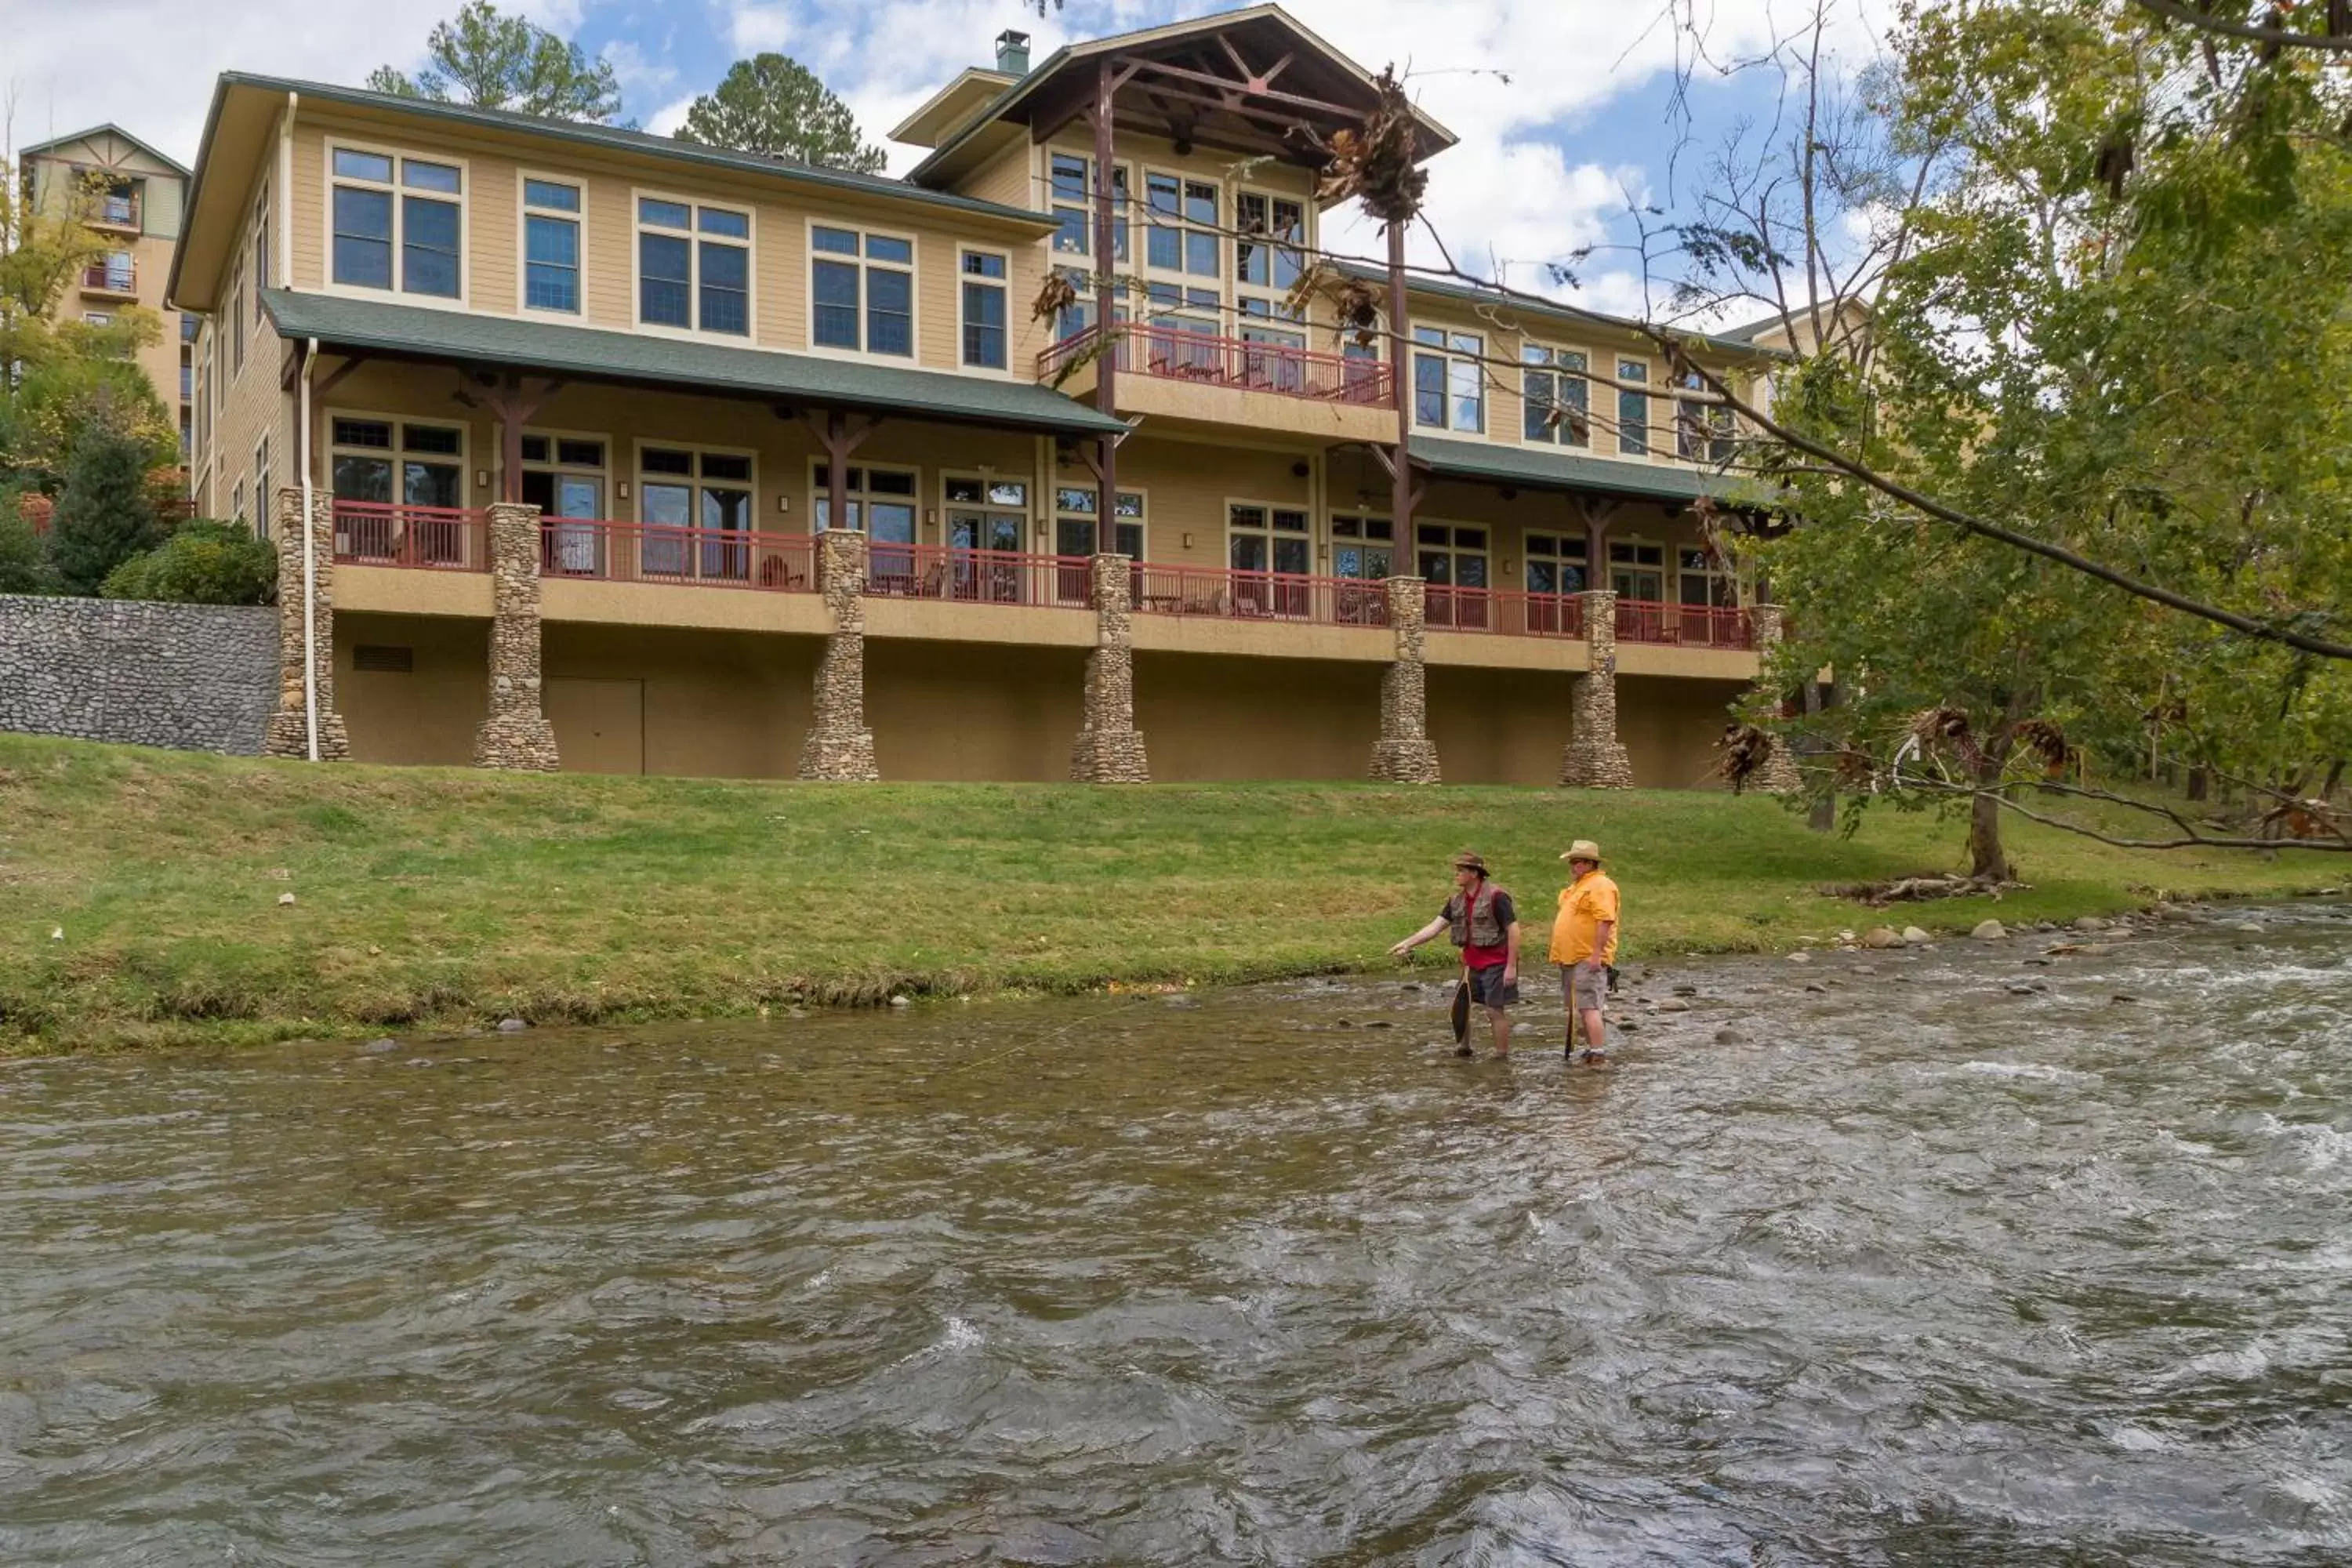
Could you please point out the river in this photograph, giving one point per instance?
(1916, 1267)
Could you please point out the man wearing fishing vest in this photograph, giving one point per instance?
(1482, 923)
(1584, 944)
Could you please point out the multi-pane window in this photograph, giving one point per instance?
(880, 503)
(1268, 257)
(399, 223)
(1075, 512)
(262, 487)
(1362, 547)
(551, 245)
(1556, 563)
(1637, 569)
(237, 322)
(694, 267)
(1705, 580)
(1555, 397)
(1182, 235)
(985, 317)
(405, 461)
(1268, 539)
(1702, 429)
(237, 501)
(1632, 407)
(682, 488)
(862, 291)
(1449, 383)
(1071, 178)
(1449, 555)
(260, 251)
(986, 514)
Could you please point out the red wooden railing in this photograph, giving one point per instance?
(693, 557)
(1207, 591)
(1682, 626)
(112, 277)
(388, 533)
(1174, 354)
(1507, 611)
(977, 576)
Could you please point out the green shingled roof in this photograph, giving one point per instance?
(1544, 468)
(1436, 289)
(416, 331)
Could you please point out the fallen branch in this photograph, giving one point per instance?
(1917, 890)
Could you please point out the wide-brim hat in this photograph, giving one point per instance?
(1470, 861)
(1583, 849)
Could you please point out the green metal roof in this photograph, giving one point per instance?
(508, 343)
(106, 128)
(1471, 294)
(613, 139)
(1544, 468)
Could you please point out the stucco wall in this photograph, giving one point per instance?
(195, 677)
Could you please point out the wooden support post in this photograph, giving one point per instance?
(1106, 297)
(1401, 494)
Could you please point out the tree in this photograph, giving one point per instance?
(203, 563)
(24, 558)
(492, 61)
(105, 516)
(771, 105)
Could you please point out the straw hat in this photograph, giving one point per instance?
(1583, 849)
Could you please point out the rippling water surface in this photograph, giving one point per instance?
(1908, 1271)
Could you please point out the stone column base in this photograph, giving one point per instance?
(1586, 765)
(522, 741)
(288, 736)
(1405, 761)
(1778, 773)
(1109, 756)
(841, 759)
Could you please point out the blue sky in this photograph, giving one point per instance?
(1545, 159)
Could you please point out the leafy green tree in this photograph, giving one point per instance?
(105, 515)
(203, 563)
(493, 60)
(44, 242)
(773, 105)
(23, 556)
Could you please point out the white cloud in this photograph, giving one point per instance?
(640, 75)
(664, 121)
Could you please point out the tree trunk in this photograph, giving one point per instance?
(1986, 856)
(2197, 784)
(1822, 817)
(2335, 779)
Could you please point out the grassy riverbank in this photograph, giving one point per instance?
(429, 898)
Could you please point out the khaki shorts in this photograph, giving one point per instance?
(1584, 990)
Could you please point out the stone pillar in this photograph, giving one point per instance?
(517, 733)
(288, 734)
(1595, 758)
(1403, 753)
(1109, 749)
(1778, 775)
(839, 746)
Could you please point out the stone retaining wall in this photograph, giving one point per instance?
(199, 678)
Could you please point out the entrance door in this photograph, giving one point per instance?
(600, 725)
(573, 551)
(991, 581)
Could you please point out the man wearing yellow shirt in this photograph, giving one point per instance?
(1584, 944)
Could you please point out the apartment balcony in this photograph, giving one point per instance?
(115, 279)
(1175, 373)
(118, 213)
(426, 538)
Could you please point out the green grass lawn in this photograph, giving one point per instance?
(435, 897)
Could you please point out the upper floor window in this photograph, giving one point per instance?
(237, 321)
(399, 223)
(117, 204)
(551, 245)
(880, 503)
(862, 291)
(984, 315)
(260, 248)
(1362, 546)
(1075, 532)
(1449, 555)
(1554, 396)
(1706, 579)
(1267, 538)
(1272, 230)
(413, 464)
(1184, 236)
(1449, 385)
(1702, 429)
(1632, 407)
(694, 267)
(1070, 178)
(1637, 569)
(1556, 562)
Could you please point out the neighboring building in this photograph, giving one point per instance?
(138, 214)
(691, 360)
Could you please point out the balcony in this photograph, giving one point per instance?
(1190, 359)
(1503, 612)
(977, 576)
(1683, 625)
(118, 276)
(594, 550)
(116, 211)
(1208, 592)
(434, 538)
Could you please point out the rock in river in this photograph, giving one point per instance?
(1989, 930)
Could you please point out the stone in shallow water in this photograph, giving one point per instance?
(511, 1025)
(902, 1001)
(1728, 1036)
(1989, 930)
(377, 1047)
(1882, 936)
(1817, 988)
(2089, 922)
(1915, 937)
(1800, 958)
(1673, 1005)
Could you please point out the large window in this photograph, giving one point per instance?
(405, 461)
(1555, 397)
(986, 513)
(985, 317)
(237, 322)
(1705, 580)
(1070, 176)
(1556, 563)
(399, 223)
(1268, 539)
(1267, 262)
(1182, 235)
(685, 488)
(261, 502)
(1449, 383)
(694, 267)
(862, 291)
(1075, 513)
(1362, 546)
(551, 245)
(880, 503)
(1702, 429)
(1632, 407)
(564, 476)
(1637, 569)
(260, 251)
(1451, 560)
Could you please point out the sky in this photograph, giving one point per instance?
(1563, 107)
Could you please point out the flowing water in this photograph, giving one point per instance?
(1913, 1268)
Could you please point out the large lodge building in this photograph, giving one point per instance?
(650, 457)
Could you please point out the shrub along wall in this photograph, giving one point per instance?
(199, 678)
